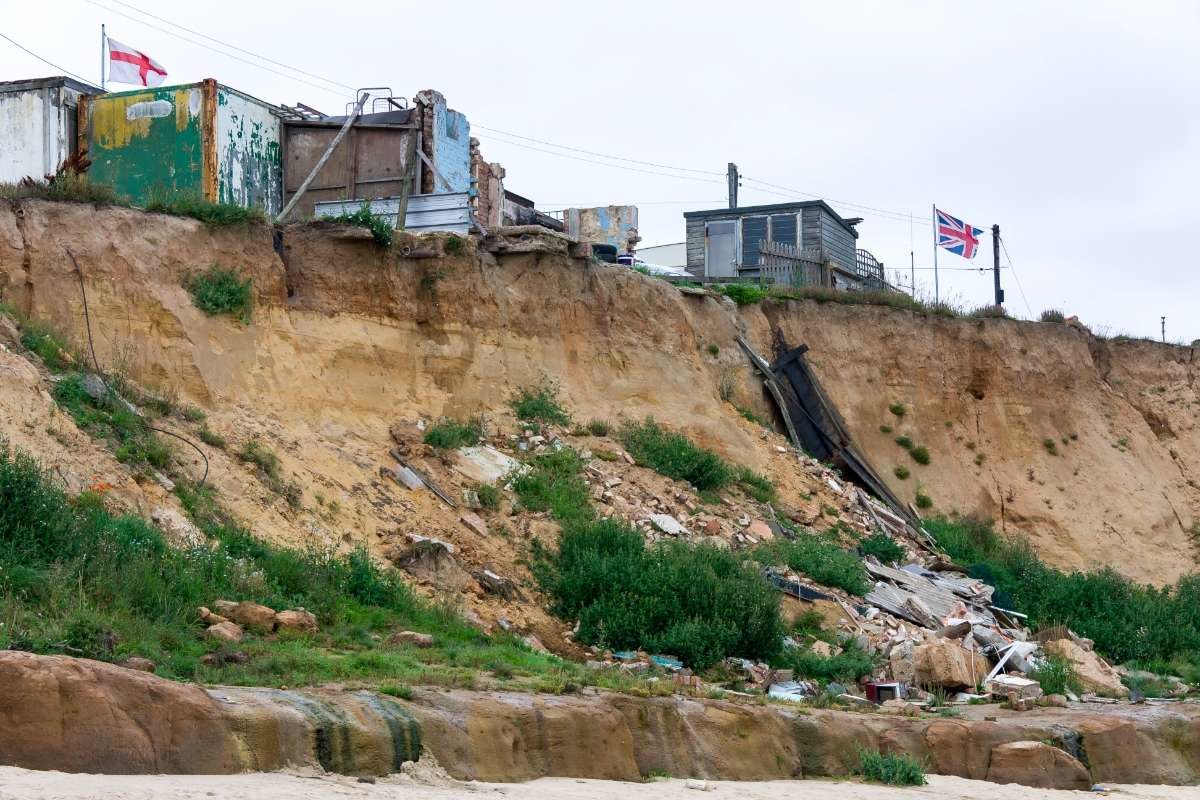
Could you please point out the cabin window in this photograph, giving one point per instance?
(754, 230)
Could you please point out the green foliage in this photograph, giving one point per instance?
(714, 350)
(539, 403)
(598, 427)
(65, 187)
(553, 484)
(450, 434)
(904, 442)
(46, 345)
(489, 496)
(211, 437)
(885, 428)
(901, 472)
(392, 690)
(898, 409)
(454, 245)
(749, 415)
(1057, 676)
(193, 414)
(920, 454)
(894, 769)
(923, 500)
(254, 452)
(882, 546)
(988, 312)
(699, 603)
(1127, 620)
(221, 291)
(182, 204)
(846, 667)
(1050, 446)
(757, 486)
(744, 294)
(111, 420)
(381, 230)
(819, 557)
(1052, 315)
(675, 455)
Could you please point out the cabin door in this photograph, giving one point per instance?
(721, 253)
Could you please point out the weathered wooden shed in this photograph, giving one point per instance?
(724, 242)
(38, 125)
(200, 138)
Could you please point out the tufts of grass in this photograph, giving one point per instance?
(211, 437)
(901, 472)
(904, 442)
(66, 186)
(211, 214)
(192, 414)
(489, 496)
(381, 230)
(979, 459)
(819, 557)
(714, 350)
(109, 419)
(894, 769)
(744, 294)
(46, 345)
(1052, 315)
(920, 454)
(847, 666)
(885, 428)
(882, 546)
(598, 427)
(219, 290)
(1050, 446)
(988, 312)
(677, 456)
(451, 434)
(750, 416)
(262, 457)
(898, 409)
(923, 500)
(539, 403)
(454, 245)
(1057, 676)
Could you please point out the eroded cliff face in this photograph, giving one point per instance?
(348, 339)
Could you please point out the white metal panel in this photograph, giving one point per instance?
(249, 168)
(446, 211)
(23, 133)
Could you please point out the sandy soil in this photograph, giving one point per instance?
(20, 783)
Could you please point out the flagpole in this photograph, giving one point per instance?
(937, 294)
(103, 41)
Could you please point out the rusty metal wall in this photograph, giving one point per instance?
(248, 164)
(369, 163)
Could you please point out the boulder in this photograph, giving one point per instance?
(253, 616)
(1093, 672)
(1039, 765)
(760, 530)
(139, 663)
(224, 607)
(209, 618)
(475, 523)
(10, 335)
(945, 663)
(411, 638)
(225, 632)
(431, 560)
(297, 620)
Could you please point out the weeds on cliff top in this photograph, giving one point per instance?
(189, 204)
(1052, 315)
(1125, 619)
(894, 769)
(219, 290)
(743, 294)
(381, 230)
(539, 403)
(450, 434)
(65, 187)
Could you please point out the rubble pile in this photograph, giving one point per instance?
(933, 631)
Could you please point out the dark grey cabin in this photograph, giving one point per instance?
(724, 242)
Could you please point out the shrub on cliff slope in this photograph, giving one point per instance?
(211, 214)
(221, 291)
(676, 456)
(1126, 620)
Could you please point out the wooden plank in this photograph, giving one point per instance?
(324, 157)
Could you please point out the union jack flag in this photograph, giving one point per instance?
(957, 236)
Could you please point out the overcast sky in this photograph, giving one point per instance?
(1074, 125)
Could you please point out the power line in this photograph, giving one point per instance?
(601, 155)
(230, 46)
(20, 46)
(213, 49)
(604, 163)
(1015, 277)
(900, 216)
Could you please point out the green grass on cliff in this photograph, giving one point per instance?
(77, 579)
(1127, 620)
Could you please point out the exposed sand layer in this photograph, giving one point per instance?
(20, 783)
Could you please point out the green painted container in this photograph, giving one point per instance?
(201, 139)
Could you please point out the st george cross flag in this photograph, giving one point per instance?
(957, 236)
(126, 65)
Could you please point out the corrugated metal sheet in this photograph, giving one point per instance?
(448, 211)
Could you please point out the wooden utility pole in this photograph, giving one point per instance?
(1164, 330)
(734, 180)
(996, 264)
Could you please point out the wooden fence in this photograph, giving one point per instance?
(788, 264)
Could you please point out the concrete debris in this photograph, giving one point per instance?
(486, 464)
(667, 524)
(1010, 685)
(413, 638)
(497, 584)
(475, 523)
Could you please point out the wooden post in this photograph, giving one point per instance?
(411, 174)
(324, 157)
(996, 264)
(734, 179)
